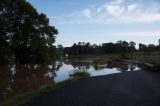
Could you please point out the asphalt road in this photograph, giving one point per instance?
(138, 88)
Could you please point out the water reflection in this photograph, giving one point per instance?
(94, 69)
(15, 79)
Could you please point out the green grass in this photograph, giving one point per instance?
(152, 57)
(93, 56)
(78, 75)
(146, 57)
(25, 98)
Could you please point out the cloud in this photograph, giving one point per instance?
(132, 7)
(113, 8)
(86, 13)
(116, 12)
(145, 34)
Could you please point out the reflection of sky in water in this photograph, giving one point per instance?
(136, 68)
(19, 78)
(12, 69)
(105, 71)
(65, 71)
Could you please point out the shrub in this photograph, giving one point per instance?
(156, 67)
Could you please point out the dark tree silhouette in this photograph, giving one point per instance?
(86, 48)
(25, 32)
(121, 47)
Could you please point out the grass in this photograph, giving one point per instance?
(152, 57)
(78, 75)
(93, 56)
(25, 98)
(144, 57)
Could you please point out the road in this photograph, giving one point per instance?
(138, 88)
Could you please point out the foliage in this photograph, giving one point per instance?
(148, 48)
(25, 33)
(156, 67)
(106, 48)
(60, 50)
(120, 47)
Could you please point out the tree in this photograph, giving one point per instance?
(26, 32)
(123, 47)
(158, 47)
(151, 47)
(88, 48)
(142, 47)
(132, 46)
(60, 49)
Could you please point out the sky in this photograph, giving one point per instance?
(101, 21)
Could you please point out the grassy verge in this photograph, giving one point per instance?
(25, 98)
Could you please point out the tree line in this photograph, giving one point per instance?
(25, 34)
(120, 46)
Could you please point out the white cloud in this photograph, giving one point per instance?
(86, 13)
(145, 34)
(132, 7)
(113, 8)
(117, 11)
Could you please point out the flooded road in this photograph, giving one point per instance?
(16, 79)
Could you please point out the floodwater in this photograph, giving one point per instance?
(68, 68)
(15, 79)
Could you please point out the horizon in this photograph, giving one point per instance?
(102, 21)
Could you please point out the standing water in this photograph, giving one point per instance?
(16, 79)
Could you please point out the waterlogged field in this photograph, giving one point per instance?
(17, 79)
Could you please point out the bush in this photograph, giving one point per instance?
(156, 67)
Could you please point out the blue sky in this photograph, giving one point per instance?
(99, 21)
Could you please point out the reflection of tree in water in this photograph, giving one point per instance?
(120, 66)
(81, 66)
(126, 67)
(59, 65)
(23, 78)
(132, 67)
(5, 80)
(99, 68)
(68, 62)
(123, 68)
